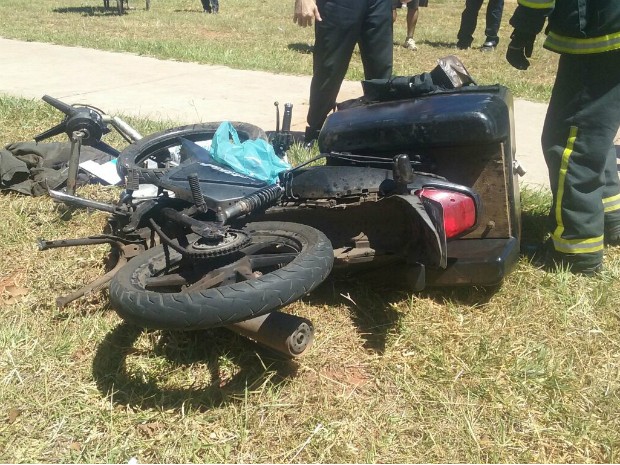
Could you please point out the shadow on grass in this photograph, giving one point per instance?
(368, 299)
(190, 10)
(370, 296)
(440, 44)
(472, 296)
(303, 48)
(182, 351)
(87, 10)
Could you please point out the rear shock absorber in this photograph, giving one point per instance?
(197, 197)
(262, 198)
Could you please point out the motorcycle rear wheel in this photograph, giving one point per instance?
(282, 262)
(155, 147)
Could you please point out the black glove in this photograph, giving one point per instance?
(520, 49)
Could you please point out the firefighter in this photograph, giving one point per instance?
(581, 122)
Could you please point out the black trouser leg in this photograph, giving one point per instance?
(611, 195)
(581, 123)
(376, 40)
(469, 20)
(495, 8)
(335, 39)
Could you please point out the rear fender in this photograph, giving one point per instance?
(429, 216)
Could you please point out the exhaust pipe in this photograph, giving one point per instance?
(287, 334)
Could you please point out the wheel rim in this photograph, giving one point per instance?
(172, 273)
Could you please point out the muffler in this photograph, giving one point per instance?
(287, 334)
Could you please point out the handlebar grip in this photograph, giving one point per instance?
(287, 118)
(62, 106)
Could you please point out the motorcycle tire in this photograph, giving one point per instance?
(155, 146)
(287, 260)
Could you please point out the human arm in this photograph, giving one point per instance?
(527, 21)
(305, 12)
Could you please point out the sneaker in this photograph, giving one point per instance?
(549, 259)
(488, 46)
(410, 44)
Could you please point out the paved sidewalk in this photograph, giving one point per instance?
(122, 83)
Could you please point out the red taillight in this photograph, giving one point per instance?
(459, 210)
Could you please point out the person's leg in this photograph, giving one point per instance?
(395, 7)
(413, 8)
(215, 6)
(335, 39)
(611, 191)
(611, 198)
(412, 21)
(495, 9)
(375, 40)
(581, 123)
(206, 5)
(469, 19)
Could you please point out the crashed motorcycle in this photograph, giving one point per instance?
(425, 186)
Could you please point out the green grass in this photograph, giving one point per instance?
(261, 35)
(526, 372)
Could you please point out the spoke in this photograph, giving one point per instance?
(223, 276)
(259, 261)
(209, 280)
(244, 270)
(272, 242)
(166, 280)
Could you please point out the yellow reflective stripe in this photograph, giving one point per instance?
(577, 46)
(594, 244)
(568, 150)
(538, 4)
(611, 204)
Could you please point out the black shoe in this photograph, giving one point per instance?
(549, 259)
(311, 135)
(463, 45)
(488, 46)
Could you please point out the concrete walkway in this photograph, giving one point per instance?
(122, 83)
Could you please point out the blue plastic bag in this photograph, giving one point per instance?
(255, 158)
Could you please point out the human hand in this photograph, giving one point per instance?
(305, 12)
(520, 49)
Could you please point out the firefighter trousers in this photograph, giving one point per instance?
(578, 143)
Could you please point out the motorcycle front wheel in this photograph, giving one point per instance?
(161, 289)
